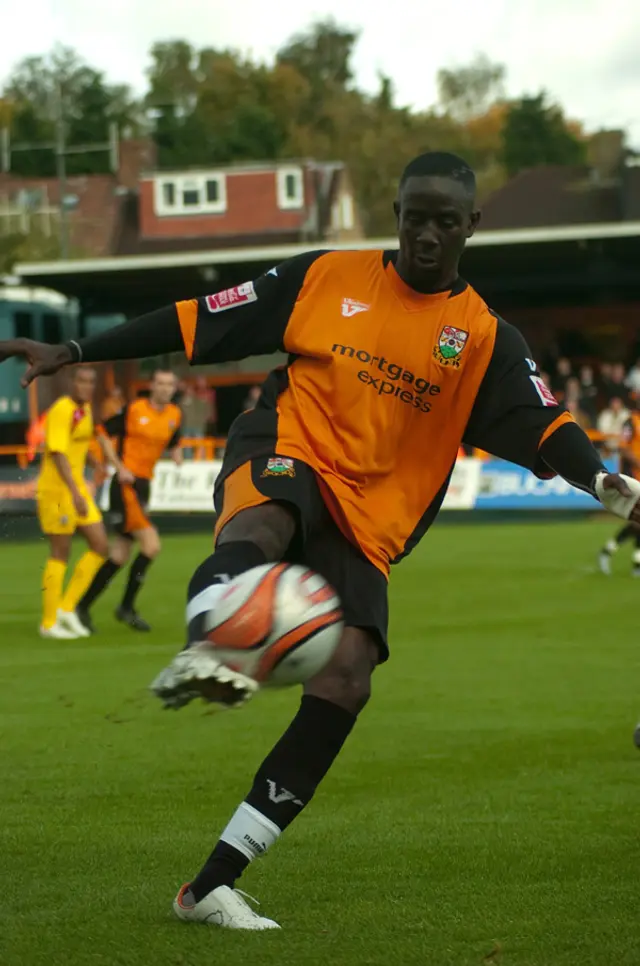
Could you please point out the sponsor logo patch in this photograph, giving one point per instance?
(231, 297)
(547, 397)
(279, 466)
(450, 345)
(351, 307)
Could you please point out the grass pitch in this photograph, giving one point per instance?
(485, 809)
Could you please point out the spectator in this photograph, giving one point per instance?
(611, 423)
(252, 398)
(615, 384)
(564, 371)
(198, 411)
(197, 405)
(633, 379)
(580, 416)
(588, 393)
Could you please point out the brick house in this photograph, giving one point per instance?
(140, 210)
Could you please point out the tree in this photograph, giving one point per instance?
(468, 92)
(43, 90)
(535, 132)
(322, 55)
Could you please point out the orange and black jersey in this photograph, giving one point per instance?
(144, 433)
(381, 387)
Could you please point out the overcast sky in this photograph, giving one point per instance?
(586, 53)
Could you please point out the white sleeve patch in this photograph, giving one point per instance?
(231, 297)
(547, 397)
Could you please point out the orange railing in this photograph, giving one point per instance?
(206, 447)
(200, 448)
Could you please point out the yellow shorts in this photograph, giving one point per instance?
(57, 514)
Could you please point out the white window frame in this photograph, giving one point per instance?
(182, 181)
(285, 203)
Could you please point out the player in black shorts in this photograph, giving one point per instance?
(394, 361)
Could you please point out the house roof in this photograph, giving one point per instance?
(553, 195)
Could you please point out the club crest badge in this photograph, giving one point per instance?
(450, 345)
(279, 466)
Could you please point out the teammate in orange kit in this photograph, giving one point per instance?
(145, 429)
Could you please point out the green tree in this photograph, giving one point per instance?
(322, 55)
(469, 91)
(535, 132)
(60, 85)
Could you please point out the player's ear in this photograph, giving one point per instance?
(396, 211)
(474, 221)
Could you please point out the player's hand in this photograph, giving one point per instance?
(126, 476)
(177, 457)
(80, 505)
(43, 359)
(620, 494)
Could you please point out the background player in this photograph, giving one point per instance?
(65, 505)
(370, 416)
(145, 428)
(630, 463)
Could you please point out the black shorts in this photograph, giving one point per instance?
(318, 543)
(128, 503)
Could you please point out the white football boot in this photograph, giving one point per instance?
(223, 907)
(57, 632)
(197, 673)
(71, 622)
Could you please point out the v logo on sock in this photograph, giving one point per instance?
(284, 795)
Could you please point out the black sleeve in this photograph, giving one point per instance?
(153, 334)
(247, 320)
(514, 409)
(115, 426)
(570, 453)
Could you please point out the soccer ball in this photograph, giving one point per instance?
(278, 624)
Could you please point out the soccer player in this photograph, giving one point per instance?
(66, 506)
(394, 361)
(630, 460)
(145, 429)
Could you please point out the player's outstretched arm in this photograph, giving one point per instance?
(247, 320)
(152, 334)
(517, 418)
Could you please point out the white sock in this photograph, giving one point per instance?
(612, 546)
(250, 832)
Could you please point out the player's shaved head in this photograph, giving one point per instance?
(441, 164)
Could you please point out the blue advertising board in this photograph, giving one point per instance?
(504, 486)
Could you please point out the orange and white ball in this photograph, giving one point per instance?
(278, 624)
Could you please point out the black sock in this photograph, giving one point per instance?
(137, 572)
(229, 560)
(625, 534)
(284, 784)
(100, 583)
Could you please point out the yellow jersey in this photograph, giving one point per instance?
(69, 430)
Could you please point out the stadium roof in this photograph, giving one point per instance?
(268, 253)
(507, 266)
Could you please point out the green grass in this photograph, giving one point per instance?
(484, 810)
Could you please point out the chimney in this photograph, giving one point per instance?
(135, 156)
(605, 154)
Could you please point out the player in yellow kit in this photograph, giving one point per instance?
(65, 505)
